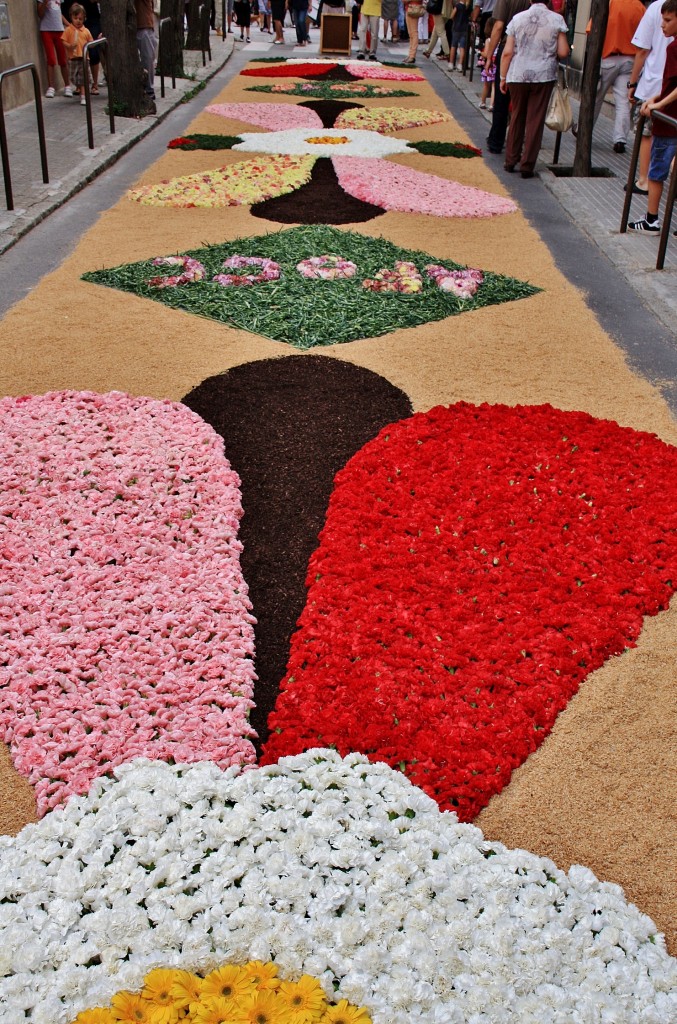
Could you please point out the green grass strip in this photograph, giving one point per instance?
(198, 141)
(324, 91)
(308, 313)
(457, 149)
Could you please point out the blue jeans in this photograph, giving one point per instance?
(301, 30)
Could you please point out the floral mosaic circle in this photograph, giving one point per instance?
(339, 869)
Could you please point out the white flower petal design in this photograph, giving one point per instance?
(294, 142)
(338, 868)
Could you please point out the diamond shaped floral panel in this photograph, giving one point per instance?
(313, 285)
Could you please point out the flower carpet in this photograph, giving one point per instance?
(294, 307)
(335, 685)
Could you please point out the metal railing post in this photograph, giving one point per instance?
(3, 132)
(634, 159)
(224, 30)
(88, 96)
(669, 199)
(205, 45)
(470, 48)
(162, 56)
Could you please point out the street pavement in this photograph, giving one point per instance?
(582, 215)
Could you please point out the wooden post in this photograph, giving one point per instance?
(599, 13)
(118, 21)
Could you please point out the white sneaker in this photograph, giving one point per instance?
(83, 101)
(50, 93)
(68, 91)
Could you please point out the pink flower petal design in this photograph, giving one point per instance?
(360, 69)
(127, 629)
(274, 116)
(394, 187)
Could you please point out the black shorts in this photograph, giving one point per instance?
(277, 10)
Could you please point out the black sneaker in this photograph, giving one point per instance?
(619, 147)
(643, 225)
(372, 56)
(361, 56)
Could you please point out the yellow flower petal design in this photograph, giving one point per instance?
(250, 993)
(388, 119)
(241, 184)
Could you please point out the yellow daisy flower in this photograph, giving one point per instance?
(228, 982)
(345, 1013)
(186, 988)
(98, 1015)
(305, 997)
(157, 990)
(131, 1008)
(264, 1008)
(213, 1010)
(263, 975)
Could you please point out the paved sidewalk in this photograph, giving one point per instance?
(595, 204)
(71, 163)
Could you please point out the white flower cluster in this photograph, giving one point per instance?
(293, 142)
(335, 867)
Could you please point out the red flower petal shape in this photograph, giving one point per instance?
(477, 563)
(289, 70)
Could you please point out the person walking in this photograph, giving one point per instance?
(646, 79)
(370, 15)
(300, 9)
(664, 136)
(535, 40)
(52, 24)
(413, 10)
(504, 12)
(618, 55)
(439, 31)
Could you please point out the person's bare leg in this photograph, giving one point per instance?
(655, 193)
(64, 75)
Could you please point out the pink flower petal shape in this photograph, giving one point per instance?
(362, 70)
(394, 187)
(126, 625)
(274, 116)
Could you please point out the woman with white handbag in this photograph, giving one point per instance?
(536, 40)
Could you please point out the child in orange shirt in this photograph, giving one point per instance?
(74, 39)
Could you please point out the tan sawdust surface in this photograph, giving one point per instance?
(600, 791)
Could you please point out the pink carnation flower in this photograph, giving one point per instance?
(127, 630)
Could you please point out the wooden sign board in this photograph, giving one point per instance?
(336, 33)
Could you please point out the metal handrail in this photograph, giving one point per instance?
(161, 54)
(205, 45)
(672, 187)
(88, 96)
(470, 48)
(3, 133)
(669, 199)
